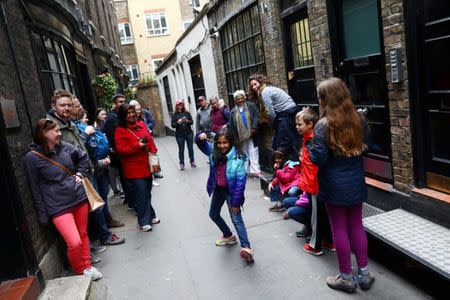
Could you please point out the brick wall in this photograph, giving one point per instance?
(148, 96)
(394, 37)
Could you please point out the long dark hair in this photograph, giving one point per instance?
(345, 134)
(217, 156)
(122, 114)
(253, 95)
(42, 126)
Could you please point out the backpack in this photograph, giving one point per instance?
(102, 144)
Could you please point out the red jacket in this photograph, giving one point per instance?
(287, 177)
(308, 174)
(134, 160)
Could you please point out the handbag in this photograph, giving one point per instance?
(153, 159)
(154, 163)
(95, 201)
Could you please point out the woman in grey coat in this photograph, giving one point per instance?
(244, 121)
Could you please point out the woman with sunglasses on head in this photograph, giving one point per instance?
(59, 196)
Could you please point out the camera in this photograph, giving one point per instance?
(143, 140)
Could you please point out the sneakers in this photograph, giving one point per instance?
(98, 249)
(158, 175)
(93, 273)
(286, 215)
(337, 283)
(113, 239)
(226, 241)
(95, 259)
(328, 246)
(193, 165)
(311, 250)
(146, 228)
(247, 254)
(258, 174)
(112, 223)
(302, 233)
(156, 221)
(276, 208)
(154, 183)
(181, 167)
(365, 281)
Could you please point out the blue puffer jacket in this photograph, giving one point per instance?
(341, 179)
(235, 172)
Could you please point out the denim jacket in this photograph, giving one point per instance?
(235, 172)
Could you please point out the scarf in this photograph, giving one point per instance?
(243, 132)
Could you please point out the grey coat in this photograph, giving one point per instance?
(54, 190)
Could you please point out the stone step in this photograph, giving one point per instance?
(67, 288)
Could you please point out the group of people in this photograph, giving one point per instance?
(66, 149)
(319, 183)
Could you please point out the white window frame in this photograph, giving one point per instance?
(126, 40)
(129, 70)
(154, 65)
(187, 21)
(156, 31)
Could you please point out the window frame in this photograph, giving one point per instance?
(153, 63)
(129, 71)
(127, 40)
(161, 28)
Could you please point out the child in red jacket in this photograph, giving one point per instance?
(285, 182)
(305, 121)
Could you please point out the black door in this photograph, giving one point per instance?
(16, 253)
(197, 77)
(429, 74)
(300, 63)
(358, 58)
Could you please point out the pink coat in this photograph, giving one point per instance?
(288, 176)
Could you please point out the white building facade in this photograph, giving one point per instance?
(188, 71)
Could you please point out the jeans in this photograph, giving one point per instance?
(103, 190)
(97, 220)
(189, 138)
(275, 194)
(72, 225)
(220, 195)
(140, 190)
(297, 213)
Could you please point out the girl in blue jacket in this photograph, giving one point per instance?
(226, 183)
(337, 149)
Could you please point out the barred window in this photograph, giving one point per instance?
(301, 43)
(242, 50)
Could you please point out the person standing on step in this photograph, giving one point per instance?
(337, 149)
(182, 122)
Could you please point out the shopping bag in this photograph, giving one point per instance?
(95, 201)
(154, 163)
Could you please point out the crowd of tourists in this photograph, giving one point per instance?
(318, 175)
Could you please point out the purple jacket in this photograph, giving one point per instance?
(219, 117)
(54, 191)
(235, 173)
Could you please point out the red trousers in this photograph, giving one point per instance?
(72, 226)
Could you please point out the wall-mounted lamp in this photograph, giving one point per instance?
(214, 32)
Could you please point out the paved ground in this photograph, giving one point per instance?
(179, 260)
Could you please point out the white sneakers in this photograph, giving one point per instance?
(146, 228)
(154, 183)
(93, 273)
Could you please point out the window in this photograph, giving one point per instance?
(56, 63)
(133, 74)
(301, 44)
(156, 24)
(156, 63)
(186, 24)
(242, 50)
(195, 3)
(125, 34)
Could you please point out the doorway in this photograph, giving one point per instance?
(359, 59)
(197, 77)
(428, 28)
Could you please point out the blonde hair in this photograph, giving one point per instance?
(344, 130)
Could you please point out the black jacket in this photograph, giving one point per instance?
(182, 129)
